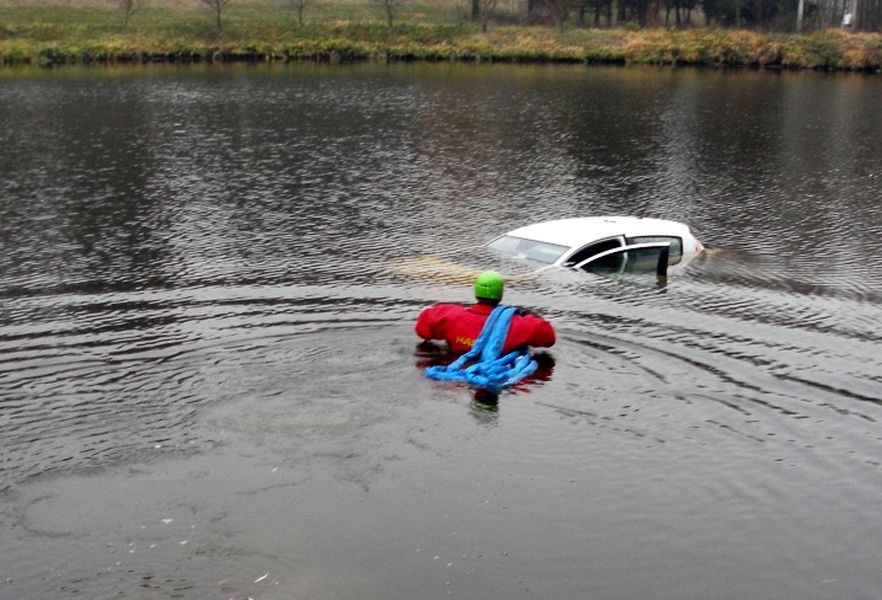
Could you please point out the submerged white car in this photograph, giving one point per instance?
(602, 244)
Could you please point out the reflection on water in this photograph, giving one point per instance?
(223, 265)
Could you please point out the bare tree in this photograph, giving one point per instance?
(299, 5)
(560, 10)
(598, 7)
(829, 12)
(391, 7)
(867, 15)
(485, 9)
(129, 8)
(217, 6)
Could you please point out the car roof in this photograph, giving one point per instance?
(578, 231)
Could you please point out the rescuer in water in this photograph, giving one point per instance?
(460, 325)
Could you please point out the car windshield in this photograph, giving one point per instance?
(540, 252)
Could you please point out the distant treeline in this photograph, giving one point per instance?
(482, 30)
(765, 15)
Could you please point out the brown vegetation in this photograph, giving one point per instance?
(361, 30)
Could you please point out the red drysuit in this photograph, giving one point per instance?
(460, 326)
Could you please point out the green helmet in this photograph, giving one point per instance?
(488, 286)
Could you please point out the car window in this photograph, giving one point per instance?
(638, 258)
(540, 252)
(643, 260)
(612, 263)
(675, 249)
(592, 249)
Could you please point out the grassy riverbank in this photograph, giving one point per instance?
(51, 35)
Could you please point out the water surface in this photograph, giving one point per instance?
(209, 382)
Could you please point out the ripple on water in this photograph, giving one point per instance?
(100, 378)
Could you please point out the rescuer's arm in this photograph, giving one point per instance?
(425, 325)
(541, 332)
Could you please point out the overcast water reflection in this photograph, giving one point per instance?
(210, 386)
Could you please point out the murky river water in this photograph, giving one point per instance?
(209, 382)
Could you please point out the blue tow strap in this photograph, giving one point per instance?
(489, 370)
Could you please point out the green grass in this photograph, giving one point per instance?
(64, 35)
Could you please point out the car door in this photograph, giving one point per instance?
(593, 249)
(634, 258)
(675, 252)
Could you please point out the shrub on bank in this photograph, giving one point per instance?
(62, 35)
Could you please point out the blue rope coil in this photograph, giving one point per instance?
(482, 366)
